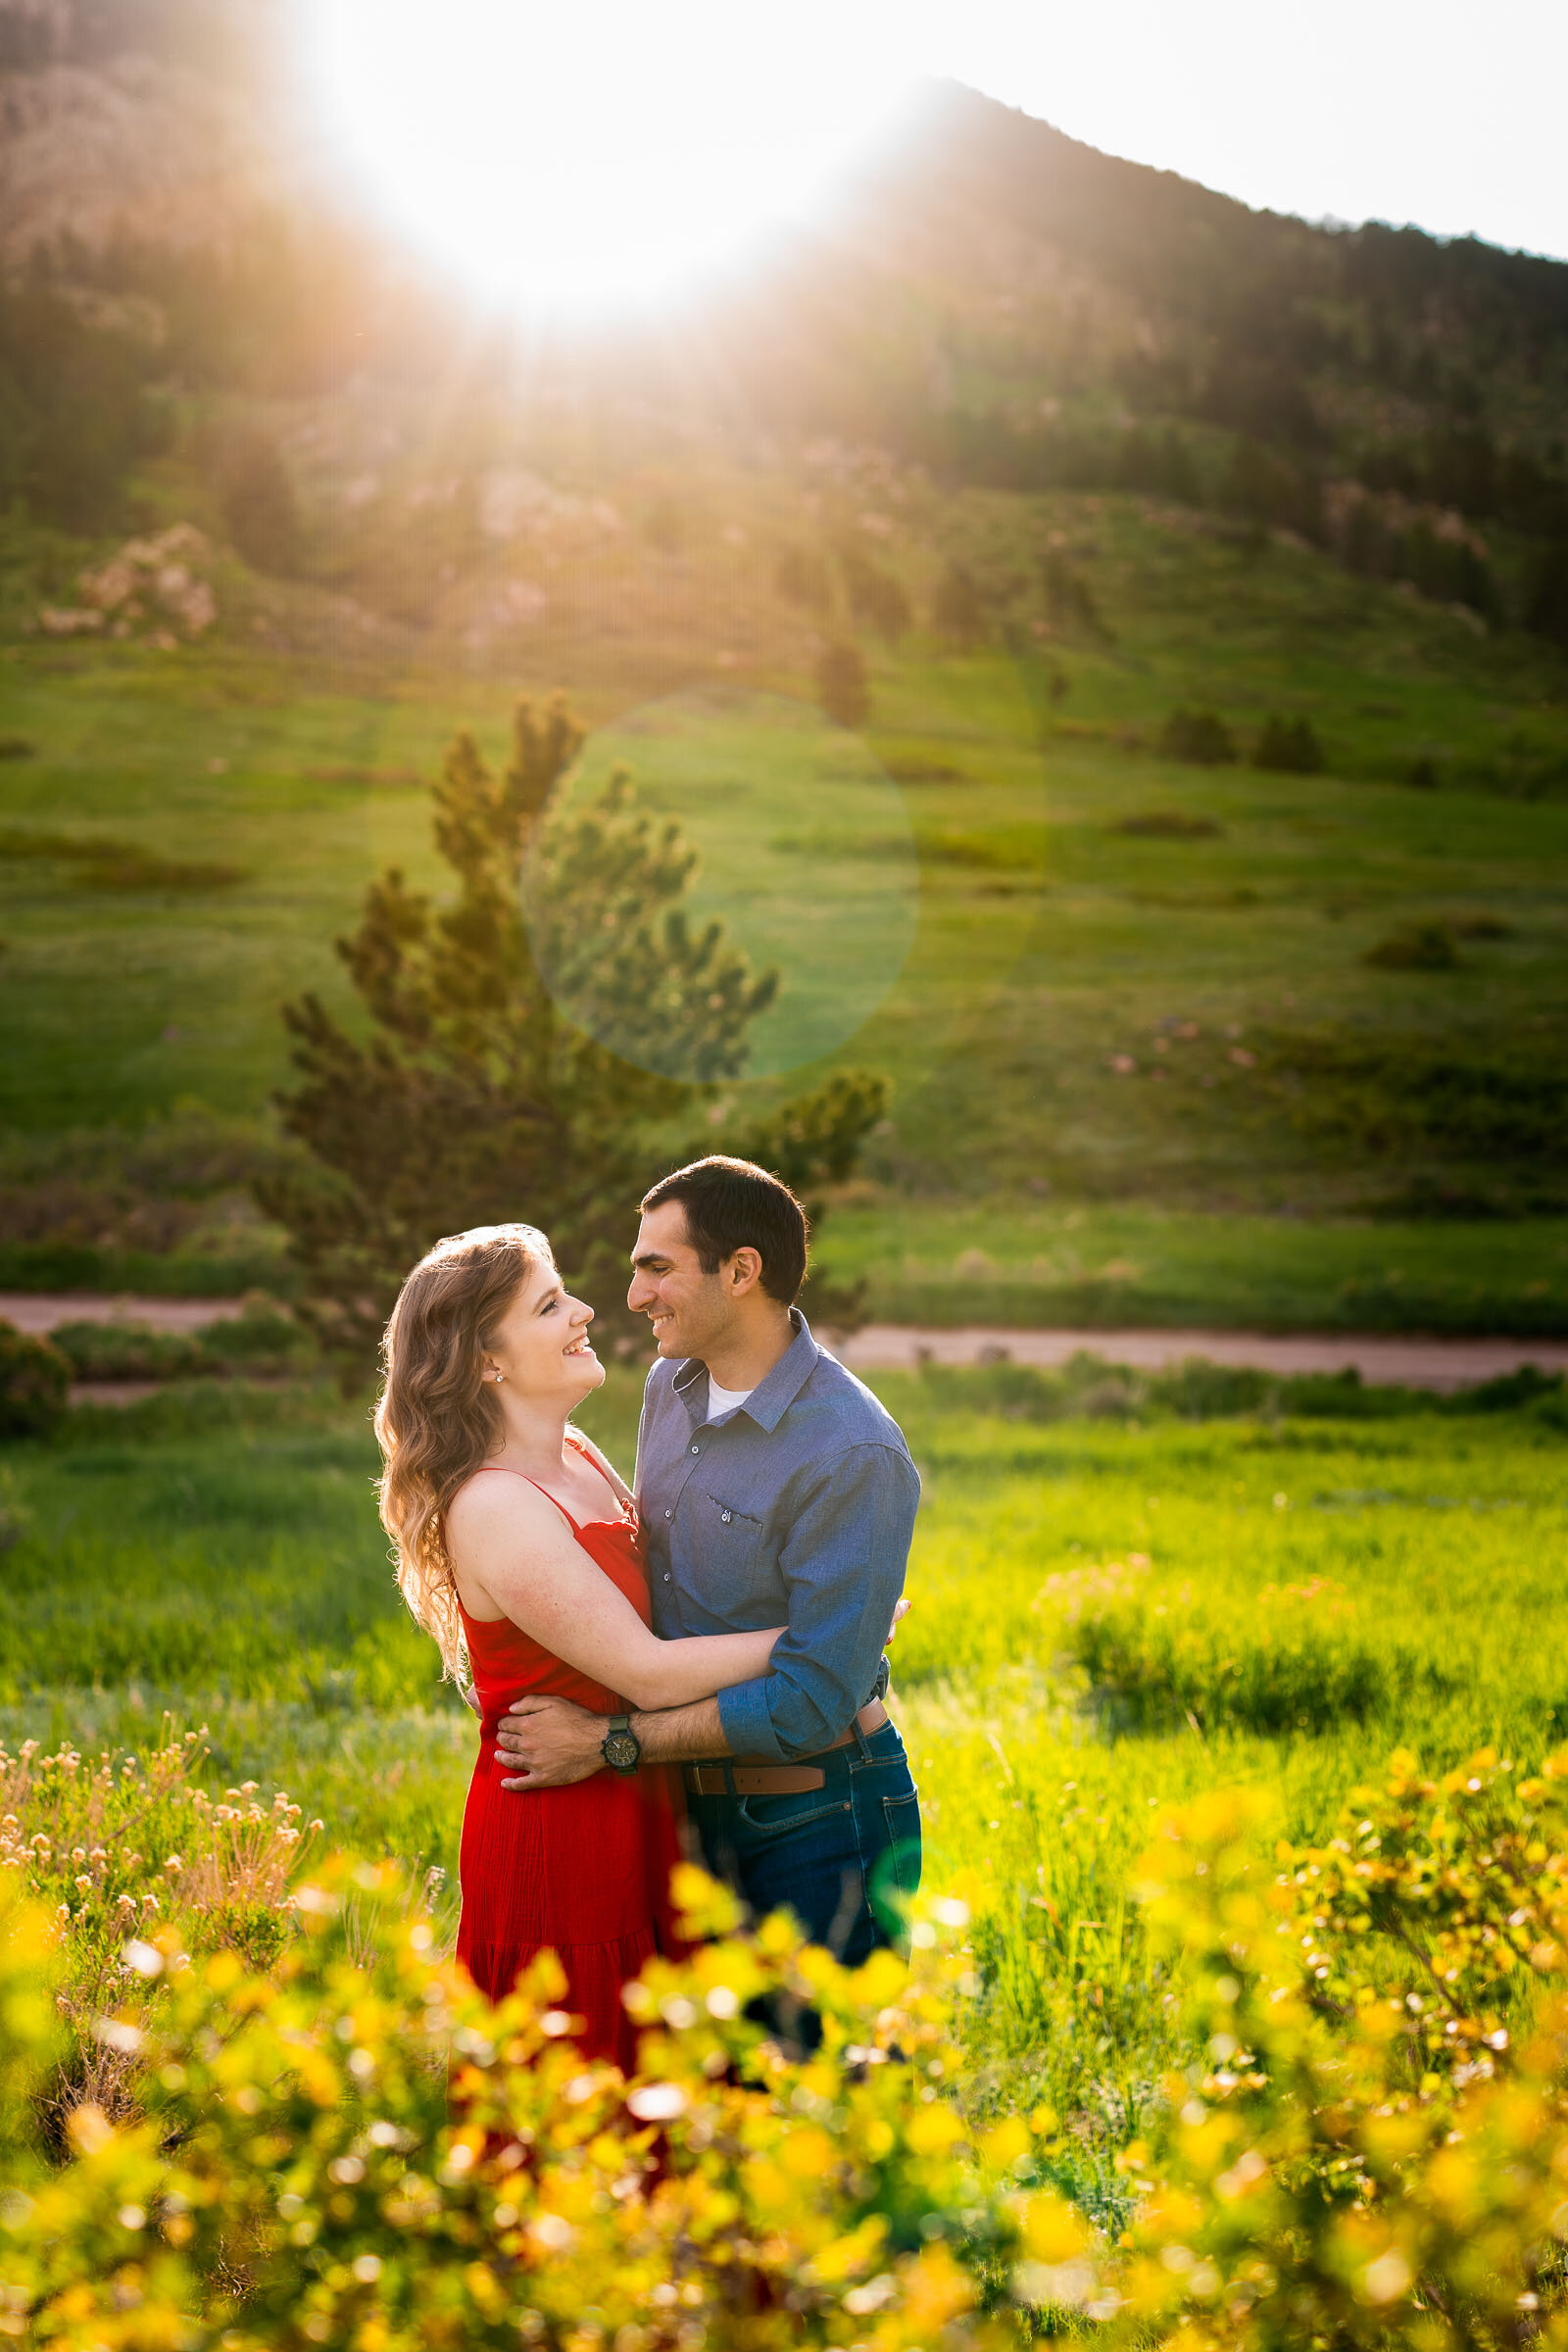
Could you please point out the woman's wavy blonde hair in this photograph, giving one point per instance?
(436, 1420)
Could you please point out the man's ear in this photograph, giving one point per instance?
(744, 1270)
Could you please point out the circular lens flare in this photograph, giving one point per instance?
(598, 156)
(806, 857)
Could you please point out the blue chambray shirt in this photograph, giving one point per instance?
(799, 1505)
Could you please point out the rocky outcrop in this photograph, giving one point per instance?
(134, 148)
(155, 587)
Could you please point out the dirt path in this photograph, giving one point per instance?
(46, 1311)
(1415, 1364)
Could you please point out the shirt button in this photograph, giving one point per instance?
(696, 1449)
(726, 1516)
(670, 1514)
(666, 1575)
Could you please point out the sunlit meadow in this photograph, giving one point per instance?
(1116, 1607)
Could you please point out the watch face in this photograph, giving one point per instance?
(621, 1750)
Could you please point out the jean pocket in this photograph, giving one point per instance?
(894, 1878)
(776, 1816)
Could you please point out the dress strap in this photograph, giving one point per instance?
(501, 1470)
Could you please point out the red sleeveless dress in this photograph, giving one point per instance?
(582, 1871)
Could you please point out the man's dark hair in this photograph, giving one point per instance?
(731, 1205)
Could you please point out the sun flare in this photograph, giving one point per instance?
(591, 157)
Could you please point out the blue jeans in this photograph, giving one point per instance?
(844, 1859)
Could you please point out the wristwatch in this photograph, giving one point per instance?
(620, 1746)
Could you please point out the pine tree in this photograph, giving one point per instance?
(474, 1098)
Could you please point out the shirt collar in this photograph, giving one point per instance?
(772, 1398)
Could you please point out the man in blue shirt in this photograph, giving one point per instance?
(772, 1487)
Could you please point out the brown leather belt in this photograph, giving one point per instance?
(756, 1776)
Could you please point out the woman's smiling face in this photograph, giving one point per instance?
(540, 1346)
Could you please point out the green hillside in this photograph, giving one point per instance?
(1207, 571)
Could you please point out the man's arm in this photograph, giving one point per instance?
(553, 1742)
(843, 1563)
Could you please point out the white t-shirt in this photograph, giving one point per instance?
(724, 1401)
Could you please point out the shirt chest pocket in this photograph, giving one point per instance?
(731, 1565)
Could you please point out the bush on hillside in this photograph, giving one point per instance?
(258, 503)
(1168, 824)
(877, 601)
(1200, 737)
(1290, 746)
(1070, 602)
(802, 577)
(34, 1380)
(958, 608)
(1419, 948)
(842, 687)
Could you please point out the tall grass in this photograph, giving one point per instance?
(1109, 1617)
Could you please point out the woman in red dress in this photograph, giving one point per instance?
(518, 1548)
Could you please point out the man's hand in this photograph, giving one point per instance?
(551, 1741)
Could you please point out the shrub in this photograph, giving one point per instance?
(802, 577)
(121, 1846)
(1422, 773)
(1301, 1659)
(1420, 947)
(1069, 599)
(958, 609)
(1169, 824)
(1200, 737)
(919, 771)
(355, 2149)
(127, 1351)
(842, 688)
(17, 747)
(260, 1338)
(34, 1379)
(1371, 2149)
(16, 1520)
(877, 600)
(257, 498)
(1201, 1390)
(1290, 745)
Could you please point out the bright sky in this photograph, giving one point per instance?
(1450, 114)
(587, 154)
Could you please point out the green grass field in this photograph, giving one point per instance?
(1107, 1618)
(1175, 1033)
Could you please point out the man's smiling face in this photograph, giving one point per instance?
(688, 1309)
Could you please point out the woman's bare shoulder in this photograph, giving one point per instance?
(491, 1500)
